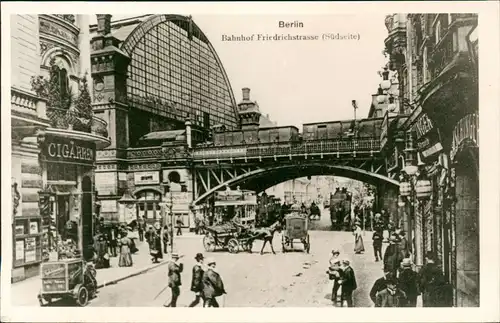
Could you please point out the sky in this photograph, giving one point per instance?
(297, 82)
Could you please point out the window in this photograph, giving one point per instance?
(166, 66)
(61, 172)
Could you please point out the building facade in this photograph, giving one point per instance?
(160, 85)
(55, 136)
(436, 61)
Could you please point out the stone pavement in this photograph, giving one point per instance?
(24, 293)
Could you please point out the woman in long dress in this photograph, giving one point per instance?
(359, 247)
(125, 256)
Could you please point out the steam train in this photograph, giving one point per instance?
(255, 142)
(340, 209)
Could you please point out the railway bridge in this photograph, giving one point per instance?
(259, 166)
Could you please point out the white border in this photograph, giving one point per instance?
(489, 178)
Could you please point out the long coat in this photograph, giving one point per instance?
(197, 280)
(432, 285)
(174, 274)
(408, 282)
(348, 281)
(392, 258)
(212, 284)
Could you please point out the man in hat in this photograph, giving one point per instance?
(377, 238)
(175, 268)
(212, 284)
(379, 285)
(392, 296)
(348, 283)
(408, 282)
(197, 280)
(404, 245)
(393, 255)
(431, 282)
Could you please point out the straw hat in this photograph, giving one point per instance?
(406, 263)
(210, 261)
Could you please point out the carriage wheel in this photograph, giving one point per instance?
(209, 243)
(307, 244)
(82, 297)
(233, 245)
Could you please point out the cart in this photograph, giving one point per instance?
(67, 279)
(296, 228)
(227, 236)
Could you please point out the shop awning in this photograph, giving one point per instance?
(163, 135)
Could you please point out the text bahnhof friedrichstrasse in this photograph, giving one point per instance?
(287, 37)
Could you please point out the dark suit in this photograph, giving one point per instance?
(408, 283)
(348, 286)
(392, 258)
(379, 285)
(197, 284)
(431, 283)
(212, 287)
(174, 281)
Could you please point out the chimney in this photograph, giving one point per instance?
(246, 93)
(103, 24)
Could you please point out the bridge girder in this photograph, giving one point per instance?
(261, 176)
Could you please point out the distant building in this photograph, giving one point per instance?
(265, 122)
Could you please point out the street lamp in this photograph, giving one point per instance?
(170, 204)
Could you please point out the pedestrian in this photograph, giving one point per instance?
(140, 228)
(154, 245)
(125, 256)
(359, 247)
(392, 296)
(213, 285)
(113, 241)
(197, 280)
(431, 282)
(404, 245)
(408, 282)
(392, 255)
(175, 268)
(379, 285)
(179, 224)
(348, 282)
(335, 273)
(102, 256)
(377, 244)
(165, 239)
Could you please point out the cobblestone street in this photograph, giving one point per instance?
(254, 280)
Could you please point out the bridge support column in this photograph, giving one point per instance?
(388, 200)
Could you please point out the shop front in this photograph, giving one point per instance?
(62, 218)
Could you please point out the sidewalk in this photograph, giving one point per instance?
(25, 293)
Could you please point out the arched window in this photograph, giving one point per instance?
(63, 81)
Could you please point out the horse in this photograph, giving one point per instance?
(266, 234)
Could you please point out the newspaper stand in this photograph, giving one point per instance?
(65, 279)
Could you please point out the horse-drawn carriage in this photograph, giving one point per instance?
(230, 236)
(296, 228)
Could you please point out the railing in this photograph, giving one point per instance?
(443, 53)
(146, 152)
(27, 103)
(77, 121)
(360, 145)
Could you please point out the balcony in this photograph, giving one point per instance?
(77, 121)
(77, 125)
